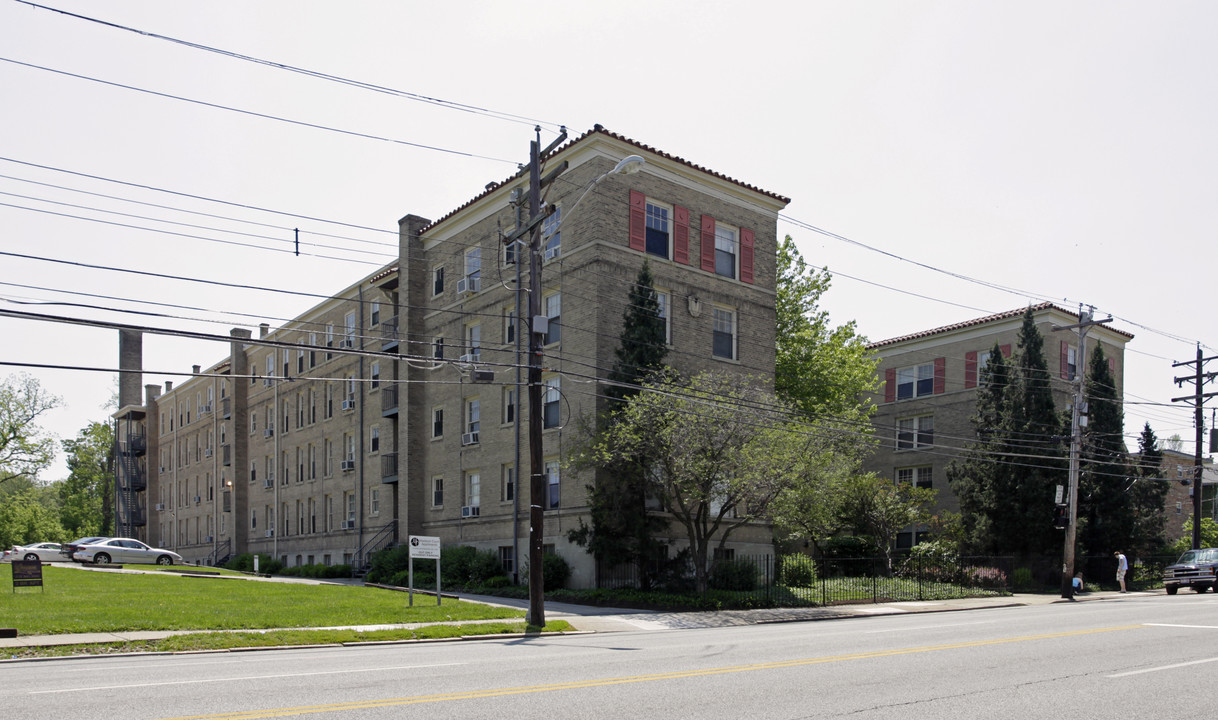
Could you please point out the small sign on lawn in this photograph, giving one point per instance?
(424, 547)
(27, 573)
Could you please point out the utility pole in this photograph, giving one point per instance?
(1199, 379)
(1078, 420)
(536, 324)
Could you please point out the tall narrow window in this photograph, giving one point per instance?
(551, 238)
(551, 403)
(375, 376)
(664, 299)
(724, 340)
(509, 405)
(437, 491)
(437, 280)
(659, 230)
(375, 313)
(725, 251)
(508, 491)
(473, 342)
(473, 489)
(553, 304)
(437, 422)
(552, 485)
(349, 330)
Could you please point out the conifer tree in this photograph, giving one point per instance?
(1149, 494)
(1106, 505)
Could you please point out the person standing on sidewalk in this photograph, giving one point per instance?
(1122, 567)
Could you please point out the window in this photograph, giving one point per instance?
(507, 491)
(300, 465)
(351, 391)
(437, 348)
(473, 342)
(253, 471)
(921, 477)
(437, 280)
(659, 230)
(375, 313)
(724, 335)
(725, 251)
(915, 432)
(509, 405)
(329, 339)
(437, 422)
(328, 456)
(300, 360)
(349, 330)
(1071, 368)
(509, 326)
(374, 439)
(552, 490)
(437, 491)
(664, 300)
(270, 368)
(300, 411)
(375, 374)
(915, 381)
(553, 310)
(374, 501)
(287, 362)
(312, 461)
(551, 409)
(349, 447)
(473, 270)
(328, 403)
(312, 350)
(473, 415)
(312, 406)
(551, 238)
(473, 489)
(351, 508)
(507, 558)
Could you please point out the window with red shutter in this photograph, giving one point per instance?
(680, 238)
(746, 255)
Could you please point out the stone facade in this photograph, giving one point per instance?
(395, 407)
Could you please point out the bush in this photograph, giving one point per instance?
(796, 571)
(555, 572)
(245, 563)
(985, 577)
(735, 575)
(1022, 578)
(388, 562)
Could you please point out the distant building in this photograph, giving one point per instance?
(1177, 471)
(394, 407)
(929, 390)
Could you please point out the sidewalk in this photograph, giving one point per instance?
(587, 618)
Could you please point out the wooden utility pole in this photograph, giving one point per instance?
(1199, 379)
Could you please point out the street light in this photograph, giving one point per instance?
(626, 166)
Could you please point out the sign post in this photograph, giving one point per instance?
(27, 573)
(425, 547)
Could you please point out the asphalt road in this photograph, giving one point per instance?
(1146, 655)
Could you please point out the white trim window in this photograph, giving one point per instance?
(437, 281)
(473, 489)
(915, 381)
(553, 485)
(727, 253)
(724, 333)
(349, 329)
(473, 269)
(437, 421)
(553, 310)
(658, 233)
(551, 236)
(915, 433)
(664, 300)
(920, 477)
(437, 491)
(509, 405)
(552, 403)
(473, 415)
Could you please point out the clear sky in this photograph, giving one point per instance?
(1044, 150)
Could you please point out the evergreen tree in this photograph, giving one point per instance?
(1149, 494)
(1006, 478)
(1106, 505)
(622, 531)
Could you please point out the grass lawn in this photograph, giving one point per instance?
(76, 601)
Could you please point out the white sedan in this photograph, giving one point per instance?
(124, 550)
(43, 551)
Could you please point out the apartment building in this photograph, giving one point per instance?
(929, 386)
(395, 408)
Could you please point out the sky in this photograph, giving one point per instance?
(945, 160)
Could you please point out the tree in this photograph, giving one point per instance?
(84, 497)
(822, 370)
(1148, 494)
(1005, 479)
(1105, 507)
(716, 451)
(28, 513)
(879, 508)
(25, 448)
(622, 530)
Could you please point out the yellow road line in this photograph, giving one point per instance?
(603, 682)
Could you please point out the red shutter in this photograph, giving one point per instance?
(680, 239)
(970, 369)
(638, 220)
(1065, 369)
(1006, 351)
(708, 243)
(890, 385)
(1112, 366)
(940, 375)
(746, 255)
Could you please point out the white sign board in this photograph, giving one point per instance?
(424, 547)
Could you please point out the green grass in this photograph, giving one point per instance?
(197, 642)
(77, 601)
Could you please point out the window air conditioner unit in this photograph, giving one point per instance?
(205, 409)
(198, 499)
(348, 465)
(270, 533)
(469, 511)
(160, 507)
(348, 342)
(206, 452)
(269, 482)
(469, 357)
(470, 438)
(208, 539)
(348, 404)
(266, 382)
(469, 285)
(162, 468)
(268, 432)
(346, 525)
(550, 254)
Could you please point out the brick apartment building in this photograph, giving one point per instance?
(394, 407)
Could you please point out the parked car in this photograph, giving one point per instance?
(69, 549)
(124, 550)
(43, 552)
(1195, 568)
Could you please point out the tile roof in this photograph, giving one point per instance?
(1009, 314)
(600, 130)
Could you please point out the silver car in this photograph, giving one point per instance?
(124, 550)
(43, 552)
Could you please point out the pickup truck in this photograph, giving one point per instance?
(1196, 568)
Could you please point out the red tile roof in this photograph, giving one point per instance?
(1009, 314)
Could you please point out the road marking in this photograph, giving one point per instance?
(225, 680)
(604, 682)
(1191, 627)
(1164, 667)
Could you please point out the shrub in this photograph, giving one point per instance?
(387, 563)
(1022, 578)
(245, 563)
(796, 571)
(985, 577)
(555, 572)
(736, 575)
